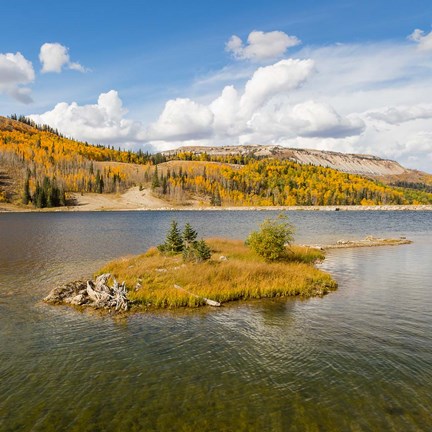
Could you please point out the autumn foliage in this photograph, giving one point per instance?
(274, 182)
(47, 166)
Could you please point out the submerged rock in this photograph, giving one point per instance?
(97, 294)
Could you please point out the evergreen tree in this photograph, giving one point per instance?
(99, 182)
(198, 251)
(189, 235)
(54, 195)
(50, 194)
(173, 242)
(39, 197)
(164, 185)
(26, 198)
(155, 179)
(203, 251)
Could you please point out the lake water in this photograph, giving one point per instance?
(359, 359)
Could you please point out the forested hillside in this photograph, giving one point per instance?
(269, 182)
(40, 167)
(43, 165)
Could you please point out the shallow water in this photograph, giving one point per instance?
(357, 359)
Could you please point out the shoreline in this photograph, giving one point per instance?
(10, 208)
(143, 200)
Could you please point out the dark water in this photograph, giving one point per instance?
(359, 359)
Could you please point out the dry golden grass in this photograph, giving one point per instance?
(151, 277)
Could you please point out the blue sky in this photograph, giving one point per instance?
(155, 62)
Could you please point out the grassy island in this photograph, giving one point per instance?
(234, 272)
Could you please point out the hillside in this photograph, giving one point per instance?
(41, 168)
(275, 182)
(38, 164)
(366, 165)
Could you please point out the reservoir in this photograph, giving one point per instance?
(359, 359)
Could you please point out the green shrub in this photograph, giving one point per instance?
(272, 239)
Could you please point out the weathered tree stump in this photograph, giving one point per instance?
(97, 294)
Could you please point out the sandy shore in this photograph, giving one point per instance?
(136, 200)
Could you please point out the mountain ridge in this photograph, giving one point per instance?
(361, 164)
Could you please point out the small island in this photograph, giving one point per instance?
(186, 272)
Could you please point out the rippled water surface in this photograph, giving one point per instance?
(359, 359)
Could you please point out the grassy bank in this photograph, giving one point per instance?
(234, 272)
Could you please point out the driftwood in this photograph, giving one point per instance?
(97, 294)
(213, 303)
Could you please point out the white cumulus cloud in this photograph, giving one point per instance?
(261, 46)
(182, 119)
(269, 81)
(15, 72)
(226, 112)
(307, 119)
(54, 57)
(228, 115)
(423, 40)
(101, 122)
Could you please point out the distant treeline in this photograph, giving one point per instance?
(411, 185)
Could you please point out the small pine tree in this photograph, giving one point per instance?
(199, 251)
(189, 235)
(99, 182)
(155, 179)
(164, 185)
(173, 242)
(203, 251)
